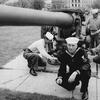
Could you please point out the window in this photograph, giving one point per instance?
(78, 5)
(72, 5)
(72, 1)
(78, 1)
(75, 5)
(75, 1)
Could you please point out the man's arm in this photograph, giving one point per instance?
(96, 32)
(43, 52)
(62, 70)
(95, 58)
(96, 49)
(87, 21)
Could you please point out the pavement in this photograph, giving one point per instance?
(15, 76)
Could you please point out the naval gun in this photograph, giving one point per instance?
(64, 19)
(24, 16)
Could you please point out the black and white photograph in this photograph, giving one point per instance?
(49, 49)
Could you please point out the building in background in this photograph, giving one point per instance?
(57, 4)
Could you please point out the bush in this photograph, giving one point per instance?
(35, 4)
(20, 3)
(38, 4)
(3, 1)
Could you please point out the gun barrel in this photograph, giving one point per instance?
(24, 16)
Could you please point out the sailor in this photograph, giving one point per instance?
(36, 53)
(74, 67)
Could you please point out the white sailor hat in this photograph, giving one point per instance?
(94, 11)
(72, 40)
(49, 36)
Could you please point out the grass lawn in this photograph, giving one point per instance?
(12, 95)
(13, 39)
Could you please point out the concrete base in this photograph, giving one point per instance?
(15, 76)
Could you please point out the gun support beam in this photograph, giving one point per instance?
(24, 16)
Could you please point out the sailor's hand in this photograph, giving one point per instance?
(72, 77)
(97, 32)
(53, 58)
(59, 80)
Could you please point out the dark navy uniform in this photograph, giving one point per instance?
(77, 61)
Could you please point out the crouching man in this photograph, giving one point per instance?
(74, 67)
(36, 54)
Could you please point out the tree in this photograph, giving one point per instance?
(2, 1)
(38, 4)
(21, 3)
(25, 3)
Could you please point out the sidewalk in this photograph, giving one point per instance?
(15, 76)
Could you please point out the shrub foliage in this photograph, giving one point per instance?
(35, 4)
